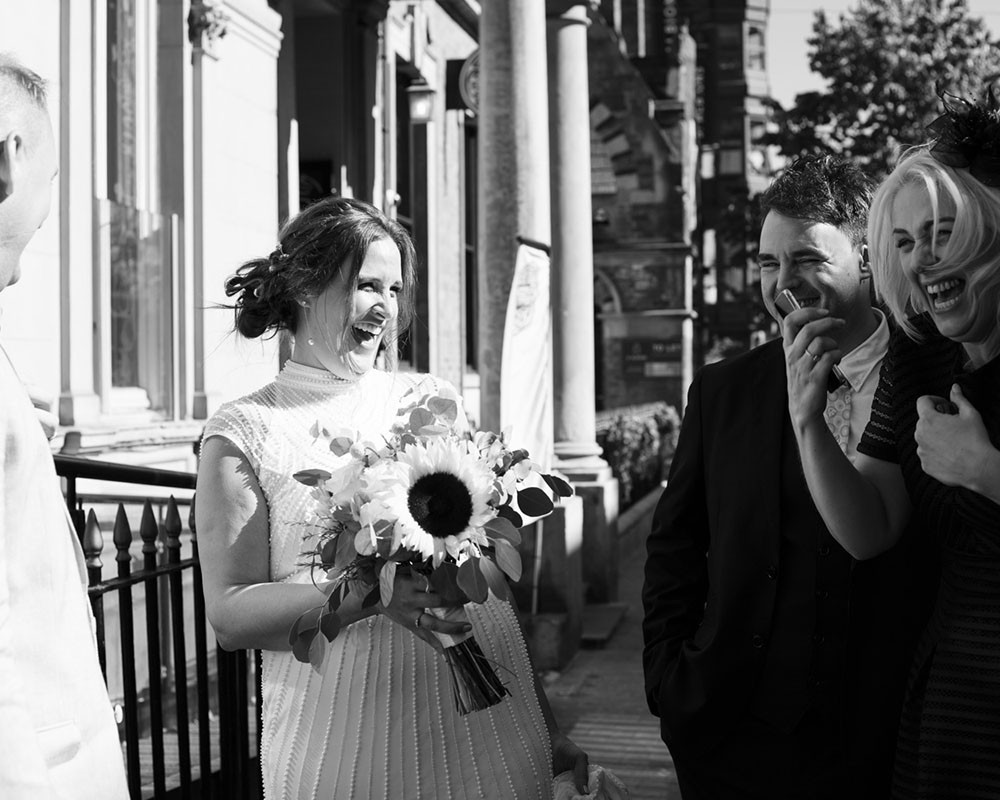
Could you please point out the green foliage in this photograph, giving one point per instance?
(884, 61)
(638, 443)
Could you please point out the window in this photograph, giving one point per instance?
(756, 49)
(138, 242)
(471, 244)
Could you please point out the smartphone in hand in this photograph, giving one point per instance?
(786, 303)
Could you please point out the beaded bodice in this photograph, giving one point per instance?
(276, 428)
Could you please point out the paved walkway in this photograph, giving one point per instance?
(598, 698)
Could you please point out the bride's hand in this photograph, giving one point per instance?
(411, 596)
(568, 757)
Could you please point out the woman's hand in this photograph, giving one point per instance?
(411, 596)
(566, 756)
(810, 353)
(954, 448)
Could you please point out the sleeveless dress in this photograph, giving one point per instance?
(949, 740)
(379, 719)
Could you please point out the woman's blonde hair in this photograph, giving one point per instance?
(973, 248)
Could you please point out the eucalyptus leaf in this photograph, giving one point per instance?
(317, 649)
(494, 578)
(301, 645)
(472, 581)
(345, 550)
(508, 559)
(328, 553)
(329, 625)
(509, 514)
(340, 445)
(303, 632)
(558, 485)
(518, 456)
(386, 582)
(443, 407)
(534, 502)
(500, 527)
(371, 598)
(420, 417)
(311, 477)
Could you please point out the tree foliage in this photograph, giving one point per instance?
(884, 61)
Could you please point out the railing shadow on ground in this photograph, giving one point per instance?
(188, 711)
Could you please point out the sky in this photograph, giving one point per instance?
(790, 24)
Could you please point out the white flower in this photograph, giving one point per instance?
(343, 483)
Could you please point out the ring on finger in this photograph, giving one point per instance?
(814, 356)
(416, 622)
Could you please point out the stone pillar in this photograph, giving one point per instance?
(514, 211)
(78, 399)
(578, 455)
(513, 169)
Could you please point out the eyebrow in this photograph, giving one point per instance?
(928, 225)
(805, 251)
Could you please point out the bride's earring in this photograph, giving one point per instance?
(310, 341)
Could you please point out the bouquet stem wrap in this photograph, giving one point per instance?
(474, 681)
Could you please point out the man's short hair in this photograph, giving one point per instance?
(823, 189)
(19, 85)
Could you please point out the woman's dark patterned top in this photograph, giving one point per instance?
(962, 519)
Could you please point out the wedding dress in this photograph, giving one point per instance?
(378, 720)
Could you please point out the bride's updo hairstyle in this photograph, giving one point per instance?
(331, 235)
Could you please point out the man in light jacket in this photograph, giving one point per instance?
(58, 737)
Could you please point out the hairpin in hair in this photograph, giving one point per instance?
(277, 258)
(967, 135)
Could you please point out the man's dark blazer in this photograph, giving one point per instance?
(713, 554)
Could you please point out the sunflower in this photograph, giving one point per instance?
(438, 492)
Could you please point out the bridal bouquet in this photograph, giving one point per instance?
(432, 499)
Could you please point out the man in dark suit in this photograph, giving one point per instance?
(775, 662)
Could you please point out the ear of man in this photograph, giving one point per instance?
(866, 264)
(11, 152)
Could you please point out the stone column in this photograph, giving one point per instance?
(78, 399)
(514, 168)
(515, 211)
(578, 455)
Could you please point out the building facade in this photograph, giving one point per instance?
(188, 130)
(733, 112)
(645, 191)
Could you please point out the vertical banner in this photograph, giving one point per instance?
(526, 361)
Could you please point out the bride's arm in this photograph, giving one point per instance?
(246, 608)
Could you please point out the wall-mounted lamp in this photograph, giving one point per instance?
(421, 97)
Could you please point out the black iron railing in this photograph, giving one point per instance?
(190, 728)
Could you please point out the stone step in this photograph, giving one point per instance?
(600, 621)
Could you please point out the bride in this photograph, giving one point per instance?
(377, 720)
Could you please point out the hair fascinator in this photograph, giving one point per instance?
(967, 136)
(277, 259)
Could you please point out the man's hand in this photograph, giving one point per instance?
(810, 353)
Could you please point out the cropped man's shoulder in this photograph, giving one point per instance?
(748, 361)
